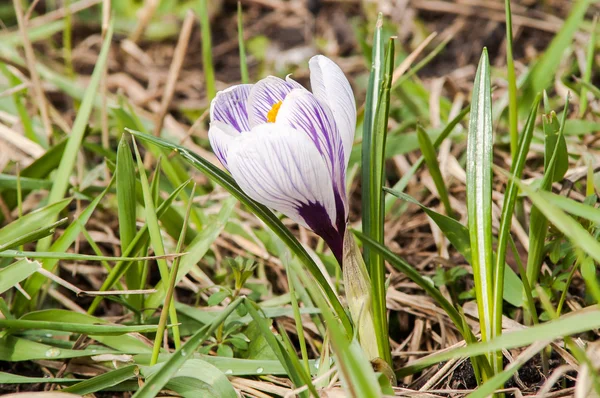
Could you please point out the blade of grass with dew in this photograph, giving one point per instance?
(262, 212)
(15, 349)
(18, 271)
(372, 99)
(103, 381)
(513, 105)
(355, 370)
(61, 179)
(374, 199)
(589, 65)
(510, 197)
(433, 166)
(61, 245)
(538, 223)
(162, 323)
(18, 99)
(242, 44)
(156, 240)
(125, 185)
(179, 357)
(544, 71)
(479, 194)
(139, 242)
(403, 182)
(207, 62)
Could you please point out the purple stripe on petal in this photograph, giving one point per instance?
(230, 107)
(264, 95)
(302, 111)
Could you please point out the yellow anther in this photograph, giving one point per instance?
(272, 115)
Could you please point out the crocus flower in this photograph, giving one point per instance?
(288, 147)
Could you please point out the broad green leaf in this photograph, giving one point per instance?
(433, 166)
(479, 194)
(33, 235)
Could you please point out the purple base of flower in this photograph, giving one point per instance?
(317, 219)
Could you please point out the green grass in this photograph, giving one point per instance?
(146, 258)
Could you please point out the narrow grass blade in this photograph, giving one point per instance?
(513, 105)
(153, 386)
(589, 65)
(156, 238)
(267, 216)
(510, 197)
(375, 79)
(61, 179)
(103, 381)
(375, 215)
(564, 326)
(18, 271)
(542, 74)
(430, 157)
(403, 182)
(479, 194)
(100, 330)
(34, 284)
(538, 223)
(242, 44)
(299, 378)
(32, 222)
(136, 246)
(125, 184)
(576, 233)
(207, 62)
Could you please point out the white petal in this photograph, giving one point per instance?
(302, 111)
(281, 168)
(264, 94)
(294, 83)
(230, 107)
(221, 136)
(329, 84)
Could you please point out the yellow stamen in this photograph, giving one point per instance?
(272, 115)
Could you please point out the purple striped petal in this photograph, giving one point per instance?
(221, 136)
(330, 86)
(281, 168)
(266, 93)
(302, 111)
(230, 106)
